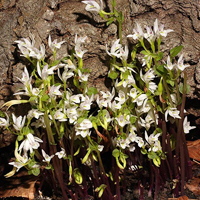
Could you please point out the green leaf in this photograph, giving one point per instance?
(152, 155)
(174, 52)
(2, 114)
(170, 82)
(35, 171)
(92, 90)
(145, 52)
(110, 20)
(161, 70)
(113, 75)
(45, 98)
(113, 3)
(159, 56)
(133, 119)
(115, 153)
(181, 88)
(77, 176)
(143, 151)
(54, 63)
(157, 162)
(20, 137)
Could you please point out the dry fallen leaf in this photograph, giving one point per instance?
(194, 149)
(181, 198)
(20, 185)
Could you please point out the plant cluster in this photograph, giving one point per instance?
(86, 141)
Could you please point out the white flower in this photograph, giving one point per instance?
(148, 76)
(149, 35)
(124, 53)
(54, 91)
(139, 141)
(169, 65)
(47, 158)
(186, 126)
(34, 113)
(160, 30)
(123, 143)
(85, 124)
(173, 112)
(133, 93)
(83, 77)
(100, 148)
(61, 154)
(54, 45)
(18, 122)
(115, 49)
(92, 5)
(26, 80)
(45, 71)
(65, 75)
(122, 121)
(180, 64)
(122, 98)
(138, 33)
(38, 54)
(19, 164)
(83, 133)
(60, 116)
(78, 42)
(4, 122)
(156, 146)
(31, 142)
(141, 100)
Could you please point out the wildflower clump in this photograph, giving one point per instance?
(80, 135)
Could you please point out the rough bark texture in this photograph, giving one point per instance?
(65, 18)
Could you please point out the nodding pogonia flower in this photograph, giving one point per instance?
(18, 122)
(180, 64)
(87, 103)
(115, 49)
(54, 45)
(26, 80)
(124, 53)
(92, 5)
(18, 164)
(115, 106)
(85, 124)
(47, 158)
(65, 75)
(169, 64)
(100, 147)
(173, 112)
(150, 34)
(146, 122)
(78, 41)
(45, 71)
(141, 100)
(83, 77)
(152, 87)
(122, 120)
(60, 116)
(186, 126)
(25, 46)
(159, 31)
(139, 141)
(83, 133)
(34, 113)
(148, 76)
(61, 154)
(54, 91)
(133, 93)
(4, 122)
(31, 142)
(38, 54)
(138, 33)
(123, 143)
(122, 97)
